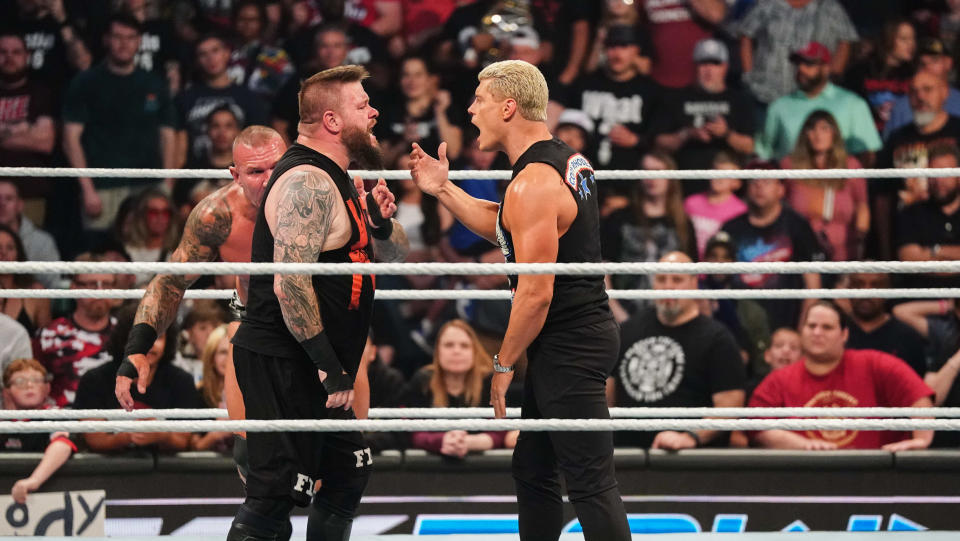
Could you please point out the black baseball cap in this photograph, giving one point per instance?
(620, 35)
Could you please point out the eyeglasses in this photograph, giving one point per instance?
(21, 382)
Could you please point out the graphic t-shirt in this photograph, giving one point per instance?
(693, 107)
(788, 238)
(863, 379)
(708, 218)
(197, 102)
(682, 366)
(607, 103)
(68, 351)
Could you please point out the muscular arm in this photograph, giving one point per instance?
(532, 208)
(393, 249)
(479, 215)
(304, 215)
(207, 229)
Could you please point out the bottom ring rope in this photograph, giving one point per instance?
(472, 413)
(483, 425)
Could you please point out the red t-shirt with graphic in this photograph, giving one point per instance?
(863, 379)
(674, 31)
(68, 351)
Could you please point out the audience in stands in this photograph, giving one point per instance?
(153, 233)
(216, 353)
(885, 76)
(927, 229)
(255, 64)
(116, 115)
(204, 317)
(708, 116)
(837, 209)
(873, 327)
(26, 386)
(459, 377)
(784, 350)
(212, 89)
(170, 387)
(671, 355)
(38, 245)
(829, 376)
(772, 31)
(772, 231)
(709, 210)
(786, 115)
(28, 115)
(675, 29)
(31, 313)
(70, 346)
(936, 59)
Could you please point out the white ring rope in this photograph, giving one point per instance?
(608, 174)
(443, 269)
(500, 295)
(487, 412)
(431, 425)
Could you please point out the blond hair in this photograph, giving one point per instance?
(211, 386)
(521, 82)
(254, 136)
(321, 92)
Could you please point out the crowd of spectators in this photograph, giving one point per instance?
(635, 84)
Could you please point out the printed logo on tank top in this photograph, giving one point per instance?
(579, 175)
(652, 368)
(833, 399)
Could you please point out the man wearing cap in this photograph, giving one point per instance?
(618, 99)
(708, 116)
(772, 30)
(815, 91)
(934, 58)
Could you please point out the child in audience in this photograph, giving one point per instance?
(26, 386)
(709, 210)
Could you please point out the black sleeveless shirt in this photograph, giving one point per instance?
(346, 302)
(577, 300)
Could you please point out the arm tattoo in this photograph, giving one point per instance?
(305, 212)
(395, 248)
(206, 230)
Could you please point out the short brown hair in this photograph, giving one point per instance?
(21, 364)
(320, 93)
(939, 150)
(205, 310)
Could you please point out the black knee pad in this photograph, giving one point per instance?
(324, 525)
(262, 519)
(241, 458)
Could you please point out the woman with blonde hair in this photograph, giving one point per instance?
(457, 378)
(216, 354)
(837, 209)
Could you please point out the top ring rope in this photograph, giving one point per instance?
(442, 269)
(608, 174)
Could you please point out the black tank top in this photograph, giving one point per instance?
(346, 302)
(577, 300)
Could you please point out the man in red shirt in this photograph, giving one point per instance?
(829, 375)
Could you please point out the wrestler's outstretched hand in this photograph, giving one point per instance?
(428, 173)
(380, 201)
(144, 377)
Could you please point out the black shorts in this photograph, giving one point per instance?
(289, 463)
